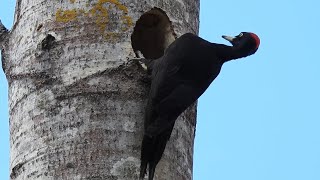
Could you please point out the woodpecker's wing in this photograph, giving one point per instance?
(151, 152)
(163, 82)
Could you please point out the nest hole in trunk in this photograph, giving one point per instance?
(152, 34)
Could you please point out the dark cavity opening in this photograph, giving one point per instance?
(47, 42)
(152, 34)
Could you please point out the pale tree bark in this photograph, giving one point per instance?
(76, 101)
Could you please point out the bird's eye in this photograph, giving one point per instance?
(240, 35)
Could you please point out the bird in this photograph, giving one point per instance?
(178, 79)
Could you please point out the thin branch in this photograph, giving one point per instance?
(3, 32)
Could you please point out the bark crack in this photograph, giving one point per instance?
(16, 170)
(43, 79)
(40, 81)
(126, 71)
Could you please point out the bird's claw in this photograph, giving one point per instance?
(140, 60)
(139, 54)
(143, 65)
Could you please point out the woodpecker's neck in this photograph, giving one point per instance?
(227, 53)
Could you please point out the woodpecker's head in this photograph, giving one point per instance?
(245, 42)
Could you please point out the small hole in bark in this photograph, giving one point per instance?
(69, 165)
(39, 27)
(152, 34)
(47, 42)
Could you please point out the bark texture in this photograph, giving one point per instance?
(76, 100)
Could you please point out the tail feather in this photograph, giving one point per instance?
(146, 152)
(152, 168)
(143, 168)
(151, 152)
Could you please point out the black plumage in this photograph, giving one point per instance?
(179, 77)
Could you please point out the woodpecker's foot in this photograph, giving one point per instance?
(141, 60)
(143, 65)
(139, 54)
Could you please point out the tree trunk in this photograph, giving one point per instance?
(76, 101)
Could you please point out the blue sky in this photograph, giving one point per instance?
(260, 119)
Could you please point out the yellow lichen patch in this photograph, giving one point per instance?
(127, 20)
(122, 8)
(66, 16)
(111, 35)
(100, 14)
(116, 3)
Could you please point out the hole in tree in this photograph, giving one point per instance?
(152, 34)
(47, 42)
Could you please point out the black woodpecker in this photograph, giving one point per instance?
(179, 78)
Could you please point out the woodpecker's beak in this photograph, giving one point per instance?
(229, 38)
